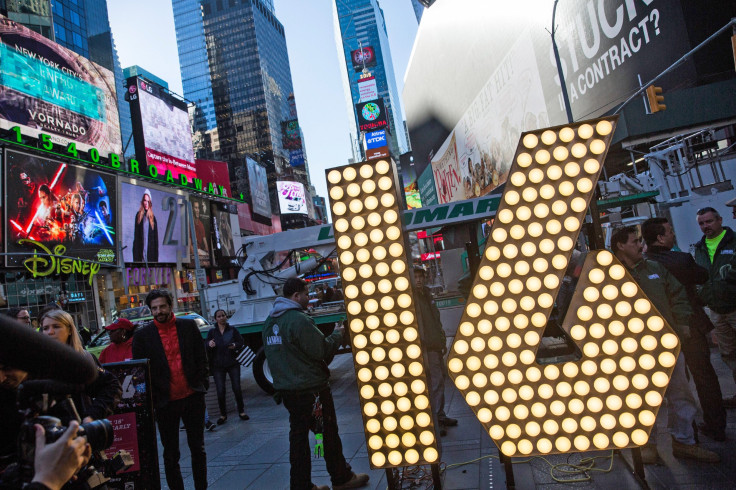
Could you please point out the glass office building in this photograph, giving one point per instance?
(360, 23)
(235, 67)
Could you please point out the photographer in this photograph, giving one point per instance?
(55, 464)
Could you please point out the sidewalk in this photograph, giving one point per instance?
(255, 454)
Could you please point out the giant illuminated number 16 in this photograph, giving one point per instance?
(610, 397)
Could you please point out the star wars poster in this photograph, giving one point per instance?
(66, 209)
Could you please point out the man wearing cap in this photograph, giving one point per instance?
(716, 251)
(121, 338)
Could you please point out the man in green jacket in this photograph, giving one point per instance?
(298, 354)
(670, 298)
(716, 251)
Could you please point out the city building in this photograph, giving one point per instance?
(360, 28)
(418, 9)
(235, 68)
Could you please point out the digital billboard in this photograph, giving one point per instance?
(367, 89)
(258, 182)
(376, 139)
(222, 234)
(201, 213)
(291, 136)
(363, 58)
(292, 198)
(163, 120)
(371, 115)
(153, 225)
(46, 88)
(214, 171)
(58, 208)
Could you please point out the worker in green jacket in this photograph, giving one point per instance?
(298, 354)
(716, 251)
(670, 299)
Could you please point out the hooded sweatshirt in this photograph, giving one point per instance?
(296, 350)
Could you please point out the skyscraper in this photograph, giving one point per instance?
(235, 67)
(360, 24)
(418, 9)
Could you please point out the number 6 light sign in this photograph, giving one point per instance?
(610, 397)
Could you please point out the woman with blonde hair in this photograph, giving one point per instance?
(98, 398)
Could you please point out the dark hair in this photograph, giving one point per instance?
(294, 285)
(13, 312)
(218, 311)
(159, 293)
(46, 309)
(621, 235)
(45, 189)
(708, 209)
(652, 228)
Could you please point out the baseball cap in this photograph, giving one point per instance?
(121, 323)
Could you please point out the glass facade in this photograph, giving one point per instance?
(361, 23)
(235, 67)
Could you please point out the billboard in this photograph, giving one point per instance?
(163, 122)
(216, 172)
(258, 182)
(46, 88)
(153, 225)
(222, 234)
(201, 215)
(291, 136)
(292, 198)
(371, 115)
(376, 139)
(363, 58)
(296, 158)
(367, 89)
(54, 206)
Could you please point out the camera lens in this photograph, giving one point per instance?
(99, 434)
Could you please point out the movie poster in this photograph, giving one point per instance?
(153, 225)
(46, 88)
(66, 209)
(222, 235)
(201, 214)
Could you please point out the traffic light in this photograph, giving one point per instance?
(655, 98)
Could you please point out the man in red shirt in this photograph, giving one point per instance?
(178, 361)
(121, 338)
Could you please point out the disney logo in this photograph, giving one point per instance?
(55, 262)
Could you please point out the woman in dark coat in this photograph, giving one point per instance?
(145, 233)
(223, 342)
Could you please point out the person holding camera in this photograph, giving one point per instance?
(99, 398)
(178, 358)
(223, 344)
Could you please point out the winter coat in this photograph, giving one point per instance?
(719, 292)
(428, 317)
(221, 356)
(297, 351)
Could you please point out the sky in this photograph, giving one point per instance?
(144, 35)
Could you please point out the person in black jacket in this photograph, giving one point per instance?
(435, 343)
(223, 343)
(178, 361)
(660, 238)
(145, 231)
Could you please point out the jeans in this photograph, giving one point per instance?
(681, 407)
(189, 410)
(697, 358)
(725, 333)
(436, 379)
(219, 375)
(300, 420)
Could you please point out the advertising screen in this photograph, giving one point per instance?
(367, 89)
(363, 58)
(54, 206)
(201, 212)
(222, 235)
(292, 198)
(214, 171)
(371, 115)
(291, 136)
(153, 225)
(261, 204)
(167, 135)
(376, 139)
(45, 88)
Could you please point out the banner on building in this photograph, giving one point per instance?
(46, 88)
(371, 115)
(216, 172)
(202, 222)
(153, 225)
(363, 58)
(258, 182)
(292, 197)
(222, 235)
(367, 89)
(296, 158)
(59, 209)
(291, 136)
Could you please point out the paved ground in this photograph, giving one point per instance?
(255, 454)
